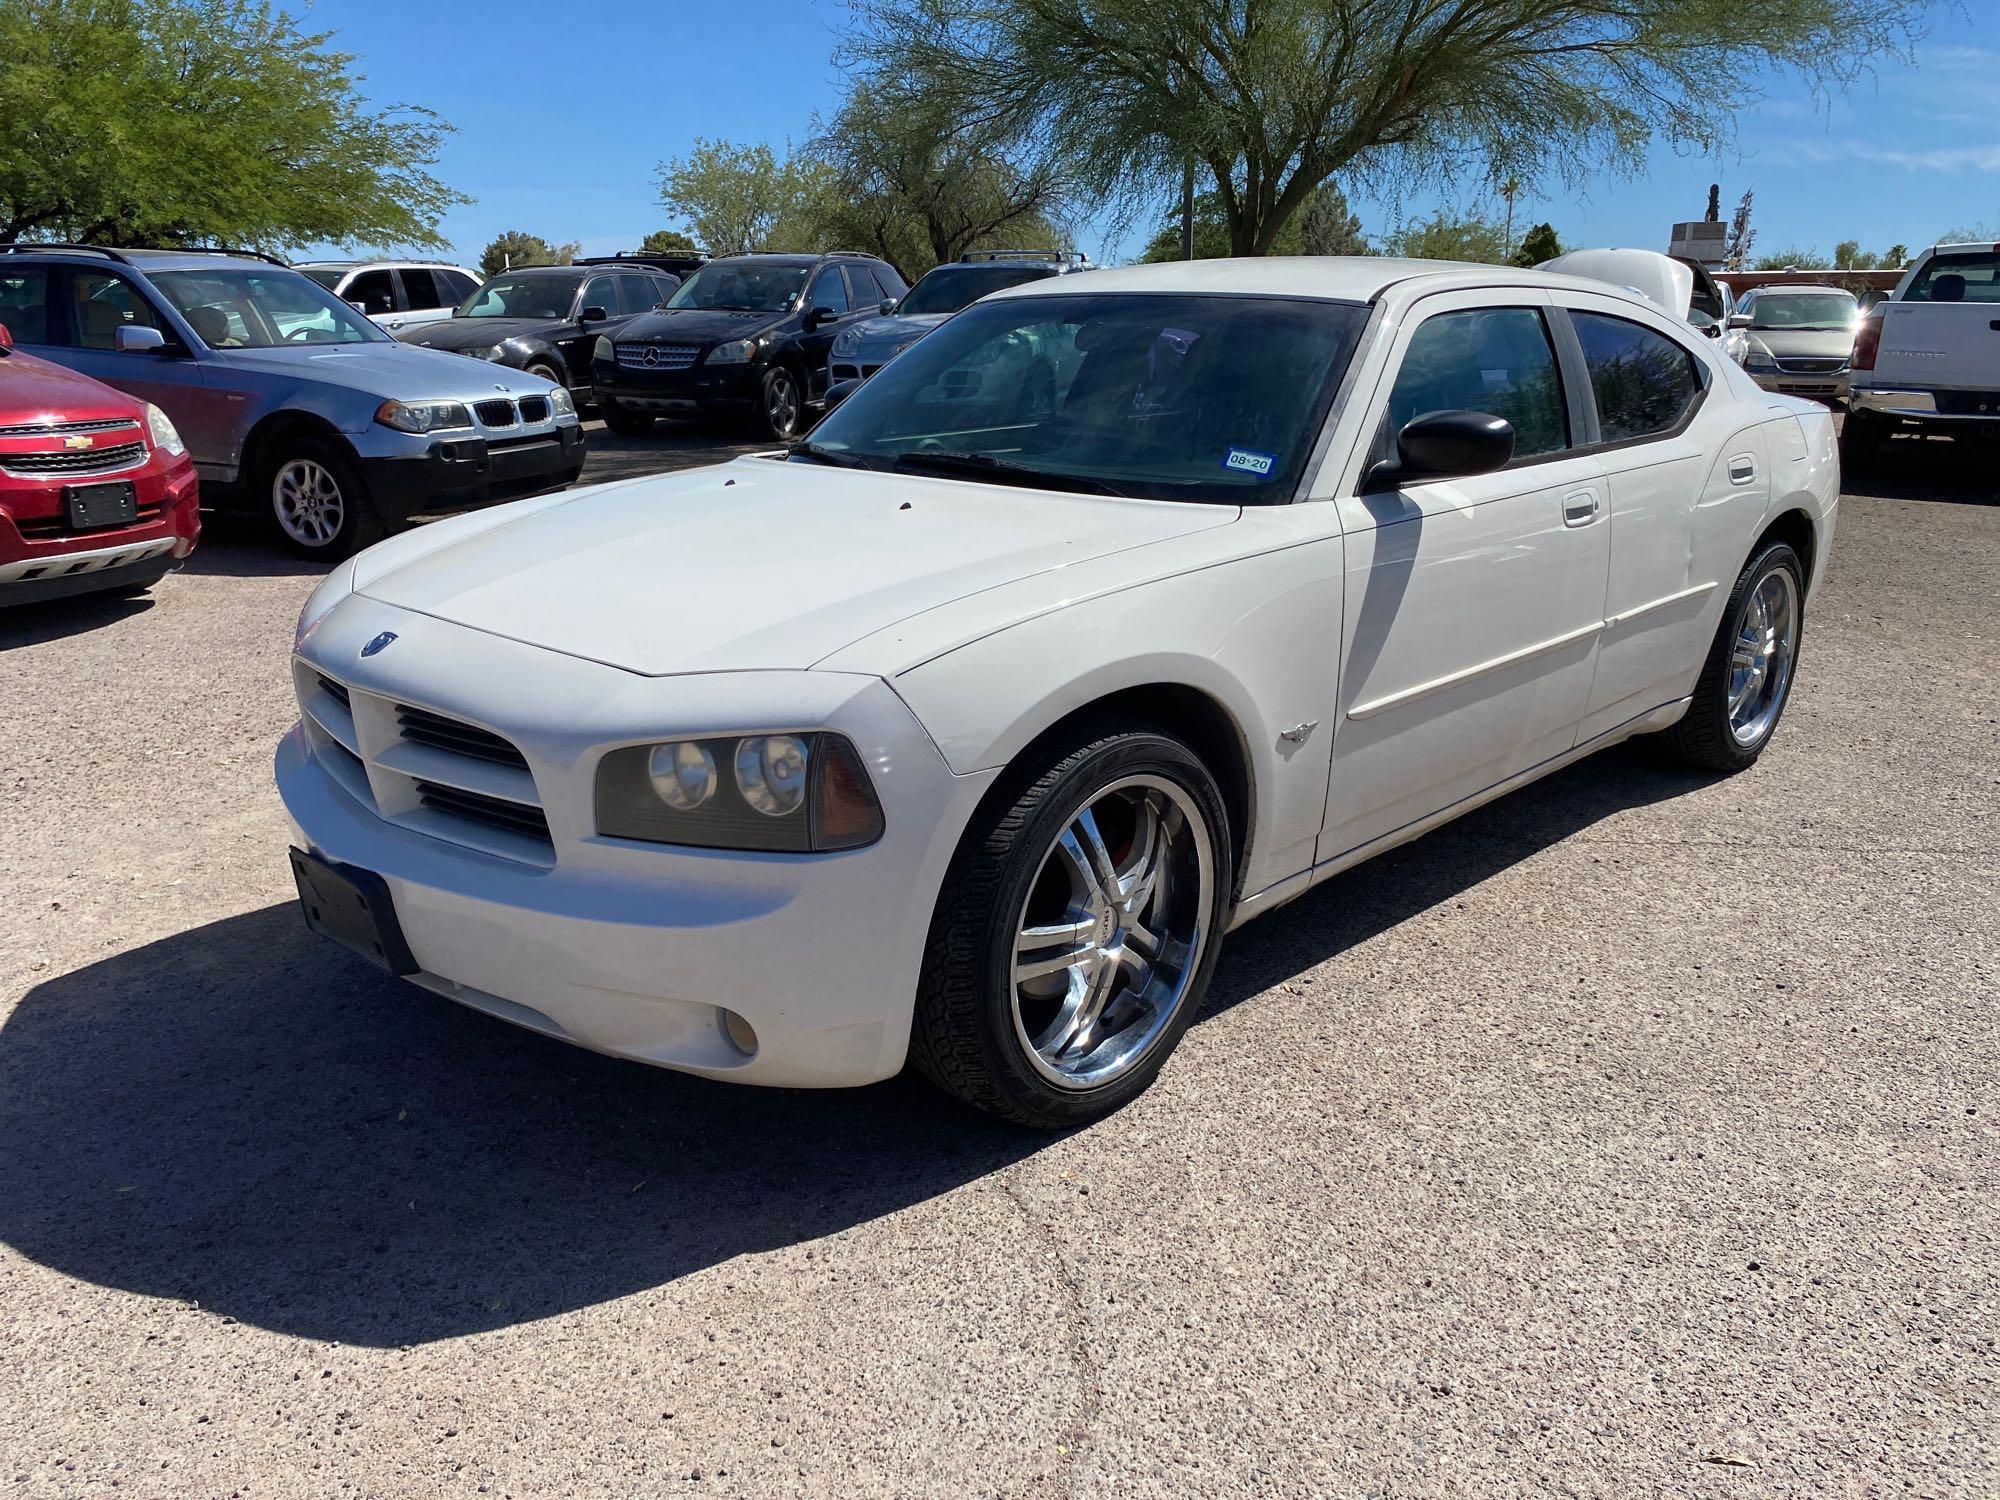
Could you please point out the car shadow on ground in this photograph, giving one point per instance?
(41, 621)
(240, 546)
(245, 1117)
(1955, 471)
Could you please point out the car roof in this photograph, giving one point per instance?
(1338, 278)
(1805, 286)
(146, 260)
(356, 265)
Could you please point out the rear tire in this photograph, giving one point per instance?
(624, 422)
(1747, 679)
(314, 494)
(1055, 988)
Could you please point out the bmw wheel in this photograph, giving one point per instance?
(1077, 931)
(318, 500)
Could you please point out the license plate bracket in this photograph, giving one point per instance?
(353, 907)
(92, 507)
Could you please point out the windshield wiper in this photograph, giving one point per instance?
(833, 456)
(985, 466)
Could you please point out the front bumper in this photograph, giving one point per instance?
(1826, 387)
(42, 558)
(626, 948)
(424, 475)
(699, 388)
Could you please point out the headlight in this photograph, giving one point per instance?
(790, 793)
(602, 349)
(560, 404)
(423, 416)
(1757, 359)
(497, 353)
(849, 342)
(740, 352)
(162, 432)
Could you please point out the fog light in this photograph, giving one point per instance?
(742, 1035)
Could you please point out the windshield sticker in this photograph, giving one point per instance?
(1250, 461)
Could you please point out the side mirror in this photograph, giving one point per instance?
(1739, 320)
(888, 305)
(839, 391)
(592, 315)
(819, 316)
(134, 338)
(1445, 445)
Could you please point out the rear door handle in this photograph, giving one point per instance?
(1580, 507)
(1742, 469)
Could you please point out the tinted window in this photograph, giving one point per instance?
(24, 304)
(889, 279)
(420, 291)
(1644, 381)
(600, 291)
(326, 276)
(829, 290)
(1493, 359)
(948, 288)
(522, 294)
(1973, 276)
(373, 290)
(457, 285)
(232, 307)
(635, 294)
(1165, 396)
(664, 286)
(742, 285)
(103, 304)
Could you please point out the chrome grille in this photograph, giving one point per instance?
(657, 356)
(87, 461)
(36, 429)
(1812, 366)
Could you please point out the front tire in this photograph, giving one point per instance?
(1077, 930)
(782, 410)
(315, 495)
(1747, 679)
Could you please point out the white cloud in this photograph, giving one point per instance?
(1950, 159)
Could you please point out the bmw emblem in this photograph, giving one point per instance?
(380, 642)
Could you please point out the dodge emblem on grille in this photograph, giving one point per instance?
(79, 441)
(379, 643)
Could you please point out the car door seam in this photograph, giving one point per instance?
(1466, 674)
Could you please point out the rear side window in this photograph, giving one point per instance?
(1493, 359)
(1973, 276)
(104, 304)
(24, 304)
(420, 289)
(1645, 383)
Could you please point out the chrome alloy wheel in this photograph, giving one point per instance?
(781, 403)
(1761, 657)
(308, 502)
(1112, 932)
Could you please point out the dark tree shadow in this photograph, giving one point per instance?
(244, 1116)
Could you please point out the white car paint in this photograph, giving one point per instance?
(344, 279)
(1937, 362)
(1387, 660)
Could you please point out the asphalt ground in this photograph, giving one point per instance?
(1634, 1136)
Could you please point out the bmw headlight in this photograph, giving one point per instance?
(742, 351)
(163, 432)
(602, 349)
(560, 404)
(848, 343)
(791, 793)
(423, 416)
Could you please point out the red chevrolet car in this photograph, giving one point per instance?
(96, 489)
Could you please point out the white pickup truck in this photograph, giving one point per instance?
(1930, 355)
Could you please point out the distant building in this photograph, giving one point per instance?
(1700, 241)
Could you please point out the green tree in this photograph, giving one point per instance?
(1327, 226)
(668, 242)
(1782, 260)
(202, 121)
(513, 248)
(1895, 257)
(1273, 97)
(735, 198)
(1446, 236)
(1537, 245)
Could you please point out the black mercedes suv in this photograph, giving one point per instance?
(746, 336)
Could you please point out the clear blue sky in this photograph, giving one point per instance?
(562, 116)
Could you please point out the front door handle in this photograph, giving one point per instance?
(1742, 469)
(1580, 507)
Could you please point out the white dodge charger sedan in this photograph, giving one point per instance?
(1107, 617)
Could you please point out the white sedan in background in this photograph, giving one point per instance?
(1118, 611)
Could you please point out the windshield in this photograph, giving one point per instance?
(948, 288)
(521, 297)
(1806, 311)
(326, 276)
(263, 308)
(741, 286)
(1166, 396)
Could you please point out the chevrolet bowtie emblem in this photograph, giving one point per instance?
(79, 442)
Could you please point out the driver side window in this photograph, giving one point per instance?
(1496, 360)
(104, 304)
(829, 291)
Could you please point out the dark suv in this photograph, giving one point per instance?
(746, 336)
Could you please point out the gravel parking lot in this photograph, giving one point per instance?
(1634, 1136)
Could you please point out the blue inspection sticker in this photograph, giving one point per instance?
(1250, 461)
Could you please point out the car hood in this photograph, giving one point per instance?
(1802, 342)
(695, 325)
(896, 328)
(755, 564)
(477, 333)
(34, 391)
(399, 371)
